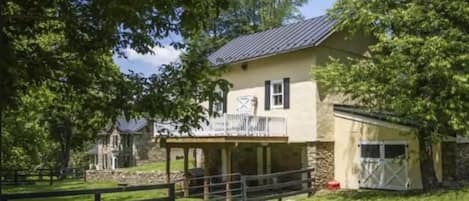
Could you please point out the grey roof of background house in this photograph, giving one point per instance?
(287, 38)
(131, 126)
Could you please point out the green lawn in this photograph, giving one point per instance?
(176, 165)
(439, 195)
(79, 185)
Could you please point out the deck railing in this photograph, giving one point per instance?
(243, 125)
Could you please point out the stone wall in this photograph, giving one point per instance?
(448, 160)
(462, 161)
(320, 155)
(129, 177)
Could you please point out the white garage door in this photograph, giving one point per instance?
(383, 165)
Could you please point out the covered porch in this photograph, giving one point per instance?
(242, 155)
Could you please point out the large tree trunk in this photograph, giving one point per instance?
(427, 168)
(1, 148)
(65, 146)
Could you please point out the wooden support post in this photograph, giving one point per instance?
(228, 172)
(172, 193)
(97, 197)
(206, 174)
(186, 172)
(15, 177)
(51, 176)
(168, 165)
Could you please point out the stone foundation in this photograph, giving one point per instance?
(320, 156)
(132, 178)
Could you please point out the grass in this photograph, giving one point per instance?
(80, 185)
(176, 165)
(438, 195)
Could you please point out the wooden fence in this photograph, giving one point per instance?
(96, 192)
(277, 185)
(248, 187)
(219, 187)
(25, 176)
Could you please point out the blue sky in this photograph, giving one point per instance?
(147, 64)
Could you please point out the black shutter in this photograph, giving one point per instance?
(267, 95)
(225, 103)
(286, 93)
(210, 106)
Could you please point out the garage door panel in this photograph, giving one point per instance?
(383, 166)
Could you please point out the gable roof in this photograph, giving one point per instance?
(130, 126)
(287, 38)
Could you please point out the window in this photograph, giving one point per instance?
(394, 150)
(115, 141)
(276, 97)
(370, 150)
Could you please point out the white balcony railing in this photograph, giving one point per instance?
(243, 125)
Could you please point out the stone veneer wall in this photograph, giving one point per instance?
(462, 161)
(455, 161)
(129, 177)
(448, 160)
(320, 155)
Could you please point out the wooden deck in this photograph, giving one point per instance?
(213, 140)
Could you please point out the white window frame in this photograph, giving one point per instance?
(272, 94)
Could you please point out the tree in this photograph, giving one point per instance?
(246, 17)
(418, 68)
(62, 41)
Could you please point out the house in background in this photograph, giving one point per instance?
(127, 144)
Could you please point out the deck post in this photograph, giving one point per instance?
(225, 124)
(186, 172)
(206, 174)
(228, 172)
(168, 164)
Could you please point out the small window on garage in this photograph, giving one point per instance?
(394, 150)
(370, 151)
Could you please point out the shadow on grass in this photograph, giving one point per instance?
(441, 194)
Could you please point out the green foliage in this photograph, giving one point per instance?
(64, 49)
(77, 31)
(245, 17)
(25, 138)
(419, 67)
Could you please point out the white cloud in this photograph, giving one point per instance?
(162, 55)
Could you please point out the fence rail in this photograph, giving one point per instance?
(218, 187)
(247, 187)
(243, 125)
(211, 187)
(26, 176)
(96, 192)
(277, 185)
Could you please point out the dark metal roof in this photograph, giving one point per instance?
(384, 116)
(282, 39)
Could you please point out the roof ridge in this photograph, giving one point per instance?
(281, 26)
(277, 40)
